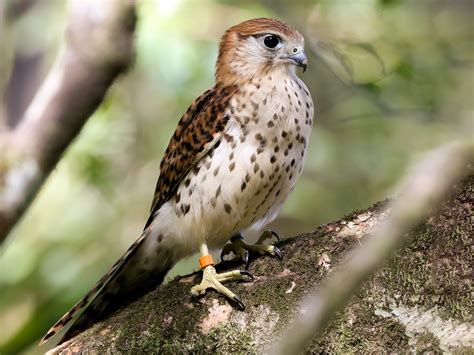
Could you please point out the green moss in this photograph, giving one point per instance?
(432, 270)
(225, 339)
(427, 343)
(359, 330)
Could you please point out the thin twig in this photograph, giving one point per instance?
(423, 191)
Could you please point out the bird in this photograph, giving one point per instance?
(230, 165)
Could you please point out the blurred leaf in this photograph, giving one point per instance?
(94, 169)
(405, 70)
(373, 88)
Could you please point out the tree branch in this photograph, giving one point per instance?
(420, 302)
(98, 48)
(423, 191)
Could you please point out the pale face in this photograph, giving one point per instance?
(263, 53)
(276, 49)
(258, 48)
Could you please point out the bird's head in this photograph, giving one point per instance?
(259, 47)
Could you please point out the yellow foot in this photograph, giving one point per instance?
(241, 250)
(211, 279)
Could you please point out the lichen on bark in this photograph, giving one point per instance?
(420, 301)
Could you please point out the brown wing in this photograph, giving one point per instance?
(198, 131)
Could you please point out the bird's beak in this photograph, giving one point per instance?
(300, 59)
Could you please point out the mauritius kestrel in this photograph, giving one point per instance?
(229, 167)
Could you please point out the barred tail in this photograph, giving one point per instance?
(110, 292)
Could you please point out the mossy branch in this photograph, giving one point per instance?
(422, 191)
(421, 300)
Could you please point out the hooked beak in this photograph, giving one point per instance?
(300, 59)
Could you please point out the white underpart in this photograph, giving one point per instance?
(218, 207)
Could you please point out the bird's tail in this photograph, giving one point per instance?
(118, 286)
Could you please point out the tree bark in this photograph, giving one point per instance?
(421, 301)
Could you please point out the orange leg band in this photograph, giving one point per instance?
(205, 260)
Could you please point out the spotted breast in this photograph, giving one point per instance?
(244, 182)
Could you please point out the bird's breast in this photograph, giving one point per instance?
(270, 128)
(272, 105)
(244, 181)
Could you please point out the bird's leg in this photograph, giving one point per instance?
(242, 249)
(211, 279)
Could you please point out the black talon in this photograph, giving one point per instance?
(275, 234)
(268, 235)
(248, 274)
(227, 251)
(239, 302)
(246, 259)
(278, 252)
(222, 255)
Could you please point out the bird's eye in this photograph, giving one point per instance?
(271, 41)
